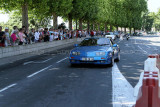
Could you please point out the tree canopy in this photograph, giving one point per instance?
(118, 13)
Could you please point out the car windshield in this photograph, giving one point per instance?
(109, 33)
(95, 42)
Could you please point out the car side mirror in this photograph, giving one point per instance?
(115, 45)
(75, 45)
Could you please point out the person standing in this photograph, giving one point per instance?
(92, 33)
(31, 35)
(37, 34)
(14, 38)
(7, 41)
(21, 36)
(46, 35)
(2, 38)
(51, 33)
(41, 35)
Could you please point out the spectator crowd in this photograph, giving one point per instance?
(24, 36)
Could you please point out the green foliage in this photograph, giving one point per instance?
(60, 7)
(156, 23)
(122, 13)
(62, 25)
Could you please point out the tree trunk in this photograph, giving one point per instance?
(125, 30)
(93, 26)
(88, 26)
(70, 22)
(76, 24)
(105, 27)
(117, 28)
(130, 30)
(134, 30)
(98, 26)
(80, 24)
(55, 26)
(25, 15)
(121, 29)
(110, 28)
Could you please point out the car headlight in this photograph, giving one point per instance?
(100, 53)
(76, 53)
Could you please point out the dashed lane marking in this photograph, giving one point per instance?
(62, 60)
(45, 68)
(10, 86)
(37, 62)
(147, 46)
(38, 72)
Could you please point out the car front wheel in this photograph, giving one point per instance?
(118, 57)
(112, 62)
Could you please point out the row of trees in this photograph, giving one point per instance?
(156, 22)
(151, 20)
(117, 13)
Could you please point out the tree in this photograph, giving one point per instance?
(23, 6)
(78, 11)
(91, 13)
(58, 8)
(156, 23)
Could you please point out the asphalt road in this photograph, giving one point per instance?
(50, 81)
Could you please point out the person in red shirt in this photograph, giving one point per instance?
(92, 33)
(77, 33)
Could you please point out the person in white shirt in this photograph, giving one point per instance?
(7, 41)
(94, 33)
(80, 33)
(37, 34)
(55, 35)
(51, 37)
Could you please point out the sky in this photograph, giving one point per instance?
(153, 6)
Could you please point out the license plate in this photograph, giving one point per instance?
(87, 59)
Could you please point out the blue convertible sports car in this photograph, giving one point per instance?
(95, 51)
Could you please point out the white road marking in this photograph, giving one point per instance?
(127, 45)
(12, 85)
(37, 62)
(123, 92)
(147, 46)
(118, 41)
(62, 60)
(47, 60)
(28, 62)
(142, 50)
(38, 72)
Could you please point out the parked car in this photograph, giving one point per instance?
(110, 35)
(117, 34)
(140, 34)
(95, 51)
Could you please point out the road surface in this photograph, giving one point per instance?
(50, 81)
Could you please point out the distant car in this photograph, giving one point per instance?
(117, 34)
(95, 51)
(140, 34)
(110, 35)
